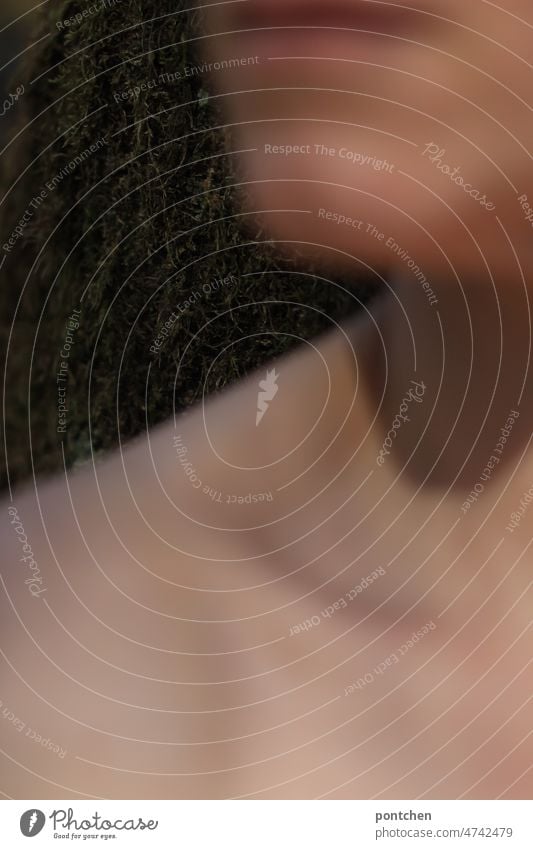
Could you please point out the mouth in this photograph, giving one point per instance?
(360, 16)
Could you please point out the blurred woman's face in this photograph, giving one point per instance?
(369, 124)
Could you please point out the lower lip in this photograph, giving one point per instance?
(335, 43)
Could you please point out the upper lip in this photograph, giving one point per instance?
(350, 14)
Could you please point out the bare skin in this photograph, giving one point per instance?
(178, 671)
(335, 602)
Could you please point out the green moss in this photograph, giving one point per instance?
(129, 233)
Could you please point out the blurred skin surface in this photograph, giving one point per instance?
(386, 79)
(167, 655)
